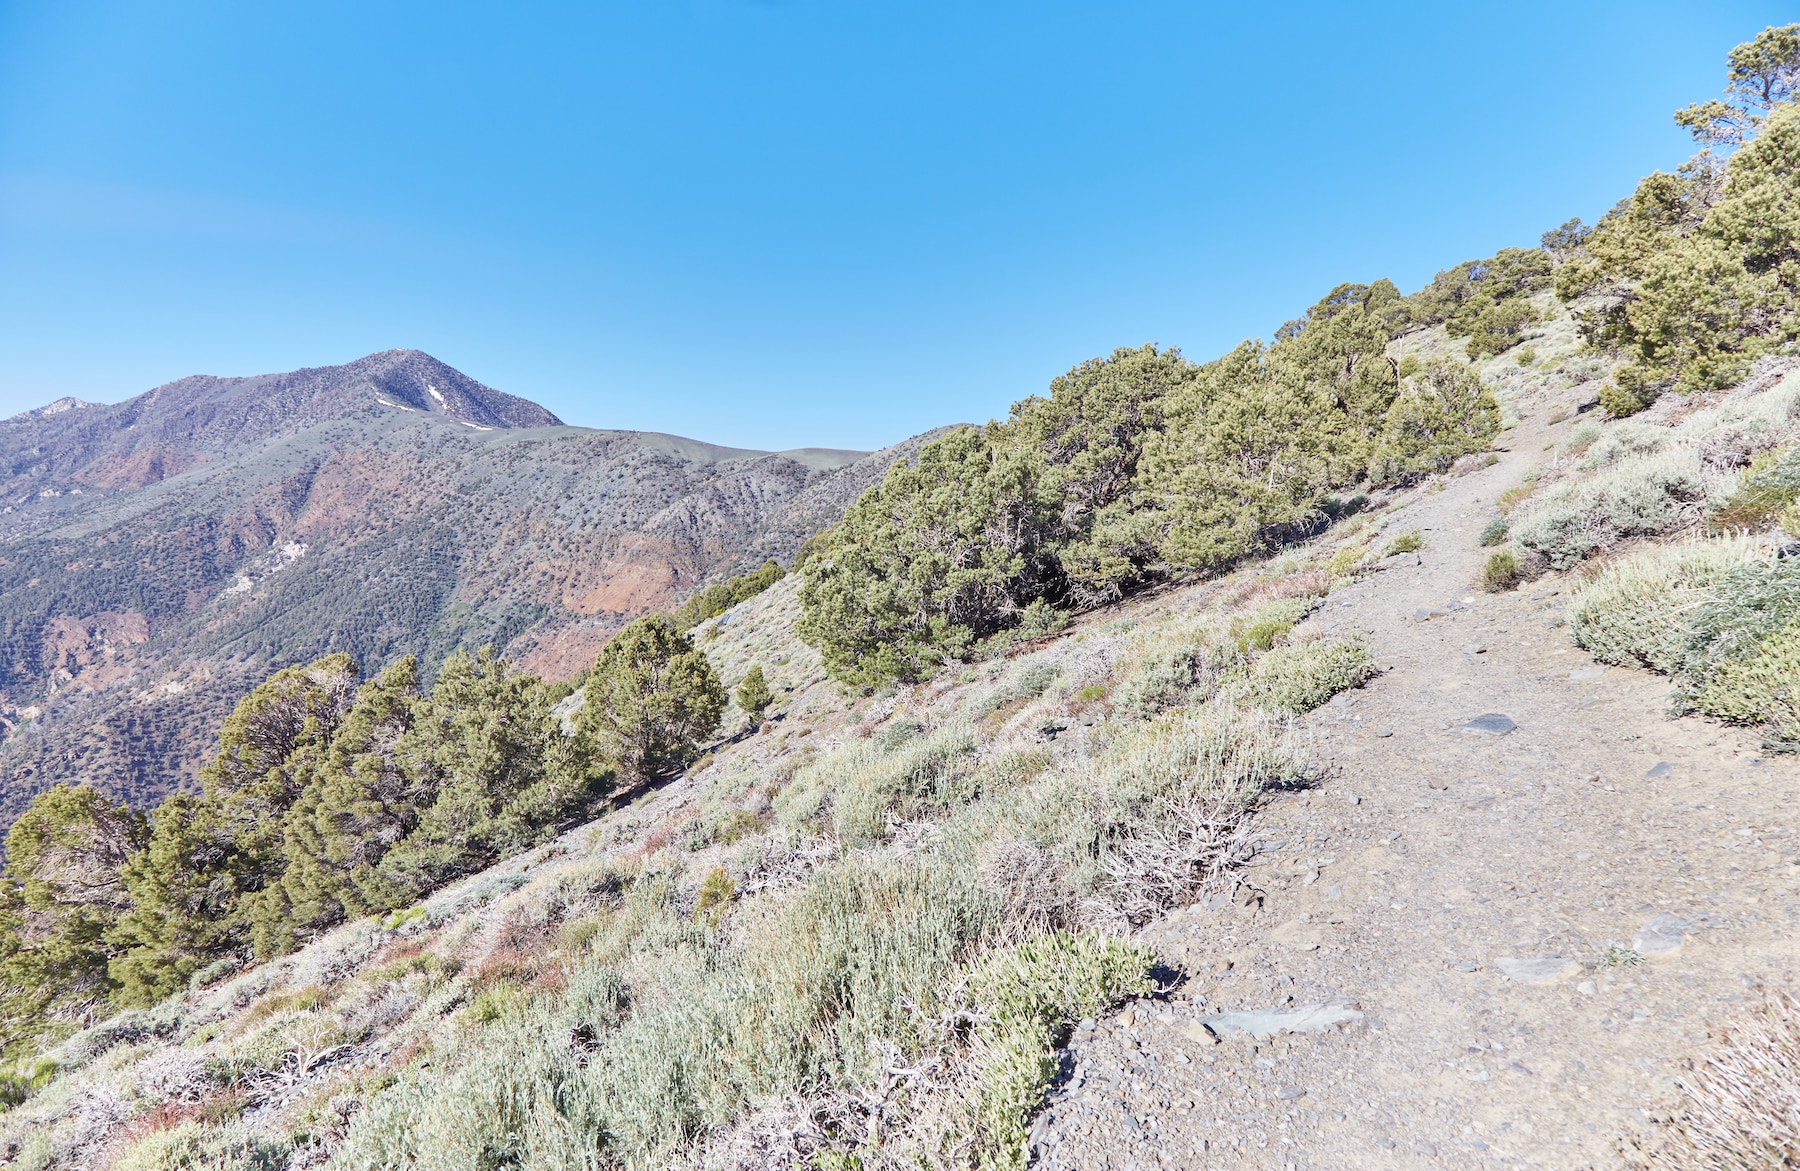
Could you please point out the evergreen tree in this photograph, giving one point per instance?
(489, 771)
(357, 801)
(1444, 412)
(753, 695)
(63, 895)
(184, 903)
(651, 697)
(188, 886)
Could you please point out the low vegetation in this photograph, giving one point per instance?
(937, 889)
(1718, 616)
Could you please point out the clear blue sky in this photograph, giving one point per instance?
(782, 223)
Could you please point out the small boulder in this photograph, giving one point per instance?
(1662, 937)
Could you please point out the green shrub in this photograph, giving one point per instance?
(1137, 467)
(1527, 355)
(1499, 327)
(753, 695)
(1028, 996)
(1638, 611)
(1503, 571)
(1167, 677)
(195, 1146)
(715, 896)
(853, 790)
(1582, 436)
(1409, 542)
(1298, 679)
(1269, 622)
(1749, 602)
(1627, 394)
(1768, 487)
(1442, 413)
(714, 600)
(1641, 496)
(1764, 688)
(1494, 532)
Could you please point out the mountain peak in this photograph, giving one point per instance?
(195, 420)
(417, 381)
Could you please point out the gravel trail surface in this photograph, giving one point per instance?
(1435, 917)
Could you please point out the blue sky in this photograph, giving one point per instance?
(782, 223)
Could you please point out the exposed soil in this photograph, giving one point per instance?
(1427, 855)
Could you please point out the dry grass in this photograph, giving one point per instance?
(1307, 583)
(1741, 1107)
(1189, 854)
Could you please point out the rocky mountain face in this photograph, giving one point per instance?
(160, 556)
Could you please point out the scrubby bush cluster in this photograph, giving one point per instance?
(1727, 468)
(1719, 616)
(1696, 275)
(1136, 467)
(329, 799)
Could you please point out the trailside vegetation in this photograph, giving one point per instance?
(1136, 467)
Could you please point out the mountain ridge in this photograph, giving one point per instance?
(161, 555)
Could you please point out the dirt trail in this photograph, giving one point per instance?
(1428, 855)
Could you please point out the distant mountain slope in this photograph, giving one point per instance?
(195, 420)
(159, 556)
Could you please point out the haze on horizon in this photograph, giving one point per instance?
(780, 224)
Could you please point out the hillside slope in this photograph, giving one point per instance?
(1402, 943)
(160, 556)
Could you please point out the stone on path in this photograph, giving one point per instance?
(1266, 1022)
(1661, 937)
(1661, 769)
(1588, 673)
(1427, 613)
(1490, 724)
(1544, 971)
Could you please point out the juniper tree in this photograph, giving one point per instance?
(651, 697)
(753, 695)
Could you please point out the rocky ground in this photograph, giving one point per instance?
(1435, 917)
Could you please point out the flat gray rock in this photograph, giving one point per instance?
(1544, 971)
(1491, 724)
(1662, 937)
(1427, 613)
(1588, 673)
(1266, 1022)
(1661, 769)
